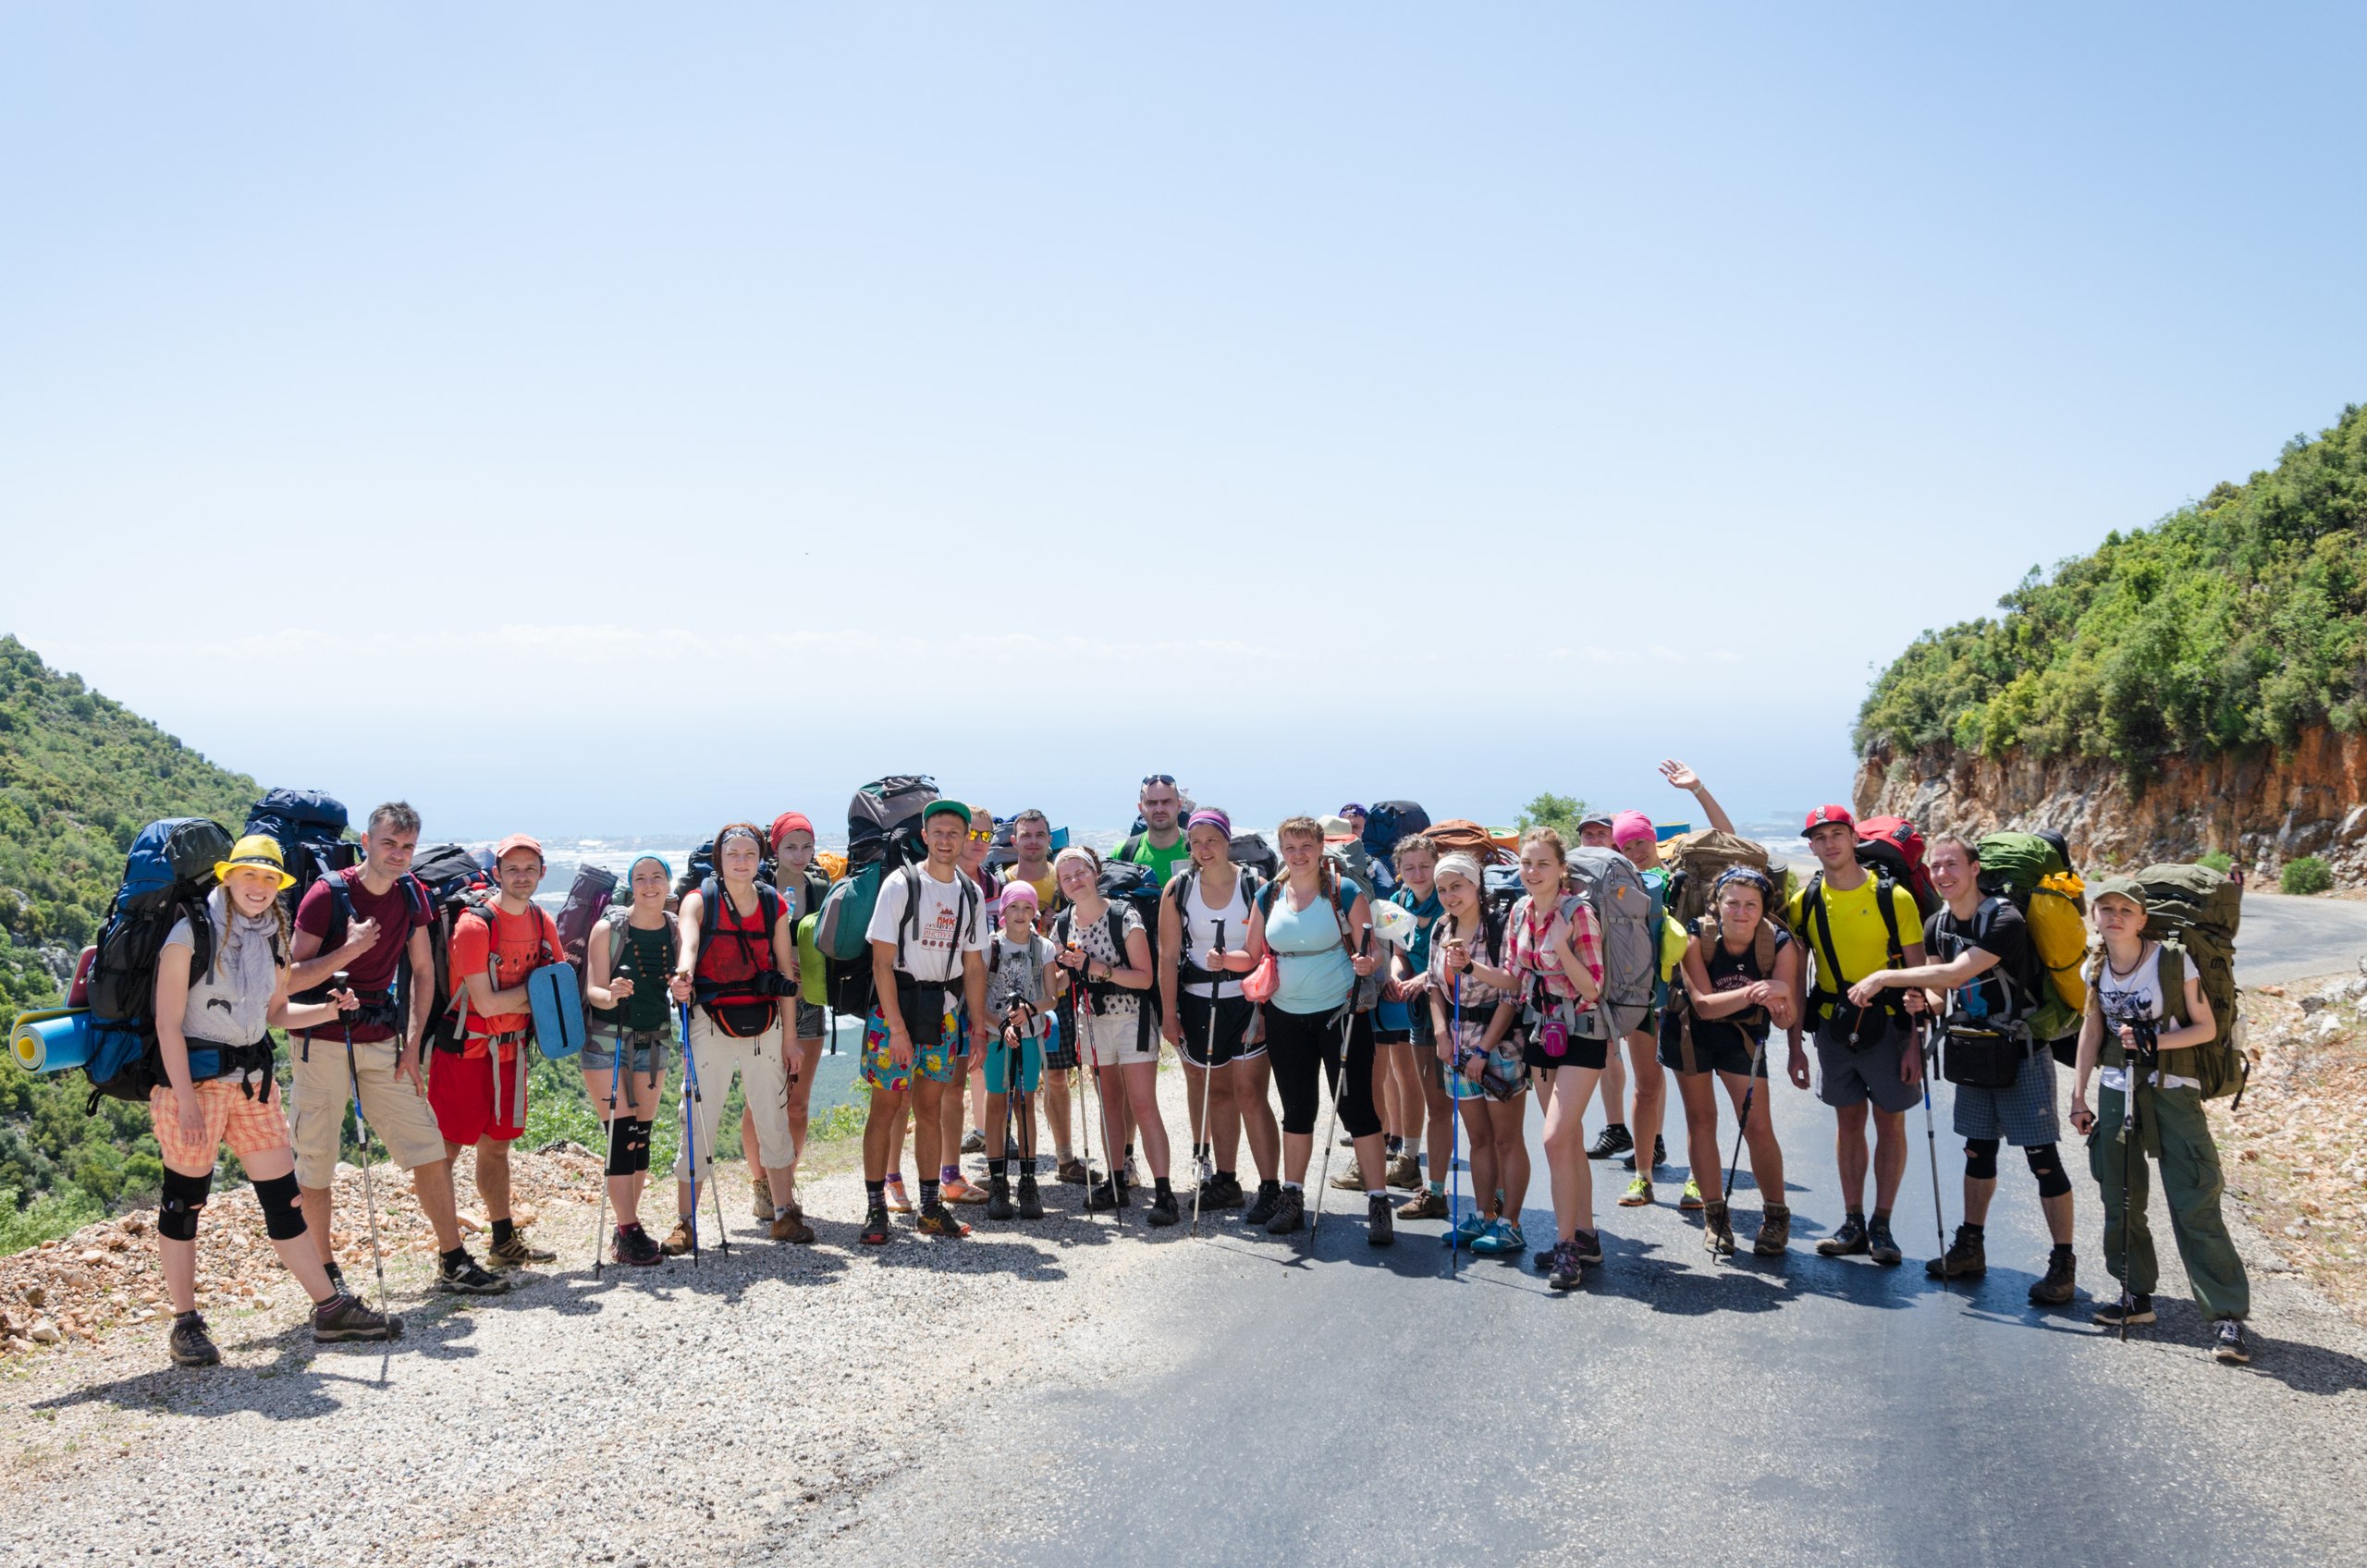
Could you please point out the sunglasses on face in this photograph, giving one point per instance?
(982, 835)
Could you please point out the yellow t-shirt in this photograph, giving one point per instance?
(1047, 891)
(1861, 941)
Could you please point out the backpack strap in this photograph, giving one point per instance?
(2169, 974)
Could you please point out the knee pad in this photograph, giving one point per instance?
(621, 1146)
(1980, 1159)
(179, 1199)
(283, 1217)
(2046, 1164)
(637, 1151)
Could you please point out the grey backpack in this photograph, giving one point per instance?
(1622, 913)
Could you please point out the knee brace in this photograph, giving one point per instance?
(1980, 1159)
(637, 1150)
(283, 1217)
(2046, 1164)
(621, 1146)
(179, 1199)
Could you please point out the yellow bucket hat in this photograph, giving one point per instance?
(255, 848)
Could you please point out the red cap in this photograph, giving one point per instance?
(1824, 817)
(790, 822)
(518, 841)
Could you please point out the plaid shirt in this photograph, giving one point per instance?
(1535, 944)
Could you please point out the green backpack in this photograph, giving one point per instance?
(2194, 912)
(2012, 866)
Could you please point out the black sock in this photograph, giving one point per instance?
(1621, 1126)
(457, 1258)
(1161, 1189)
(1270, 1185)
(1229, 1176)
(994, 1168)
(502, 1231)
(1856, 1216)
(929, 1193)
(874, 1194)
(1978, 1230)
(1882, 1217)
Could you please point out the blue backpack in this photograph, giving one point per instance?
(165, 880)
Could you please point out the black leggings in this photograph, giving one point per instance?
(1297, 1042)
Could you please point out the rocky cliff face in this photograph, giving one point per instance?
(2257, 806)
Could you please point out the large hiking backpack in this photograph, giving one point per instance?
(309, 826)
(1699, 860)
(1895, 846)
(456, 883)
(165, 880)
(1390, 821)
(883, 833)
(589, 896)
(1623, 913)
(886, 815)
(1250, 851)
(2199, 910)
(2031, 871)
(1459, 833)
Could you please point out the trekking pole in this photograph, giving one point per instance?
(1750, 1092)
(1932, 1143)
(2132, 1074)
(343, 981)
(1092, 1071)
(1208, 1076)
(691, 1130)
(1332, 1126)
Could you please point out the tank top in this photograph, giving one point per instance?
(1732, 971)
(639, 956)
(1201, 932)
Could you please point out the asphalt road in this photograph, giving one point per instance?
(2284, 938)
(1364, 1406)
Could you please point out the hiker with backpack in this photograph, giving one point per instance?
(1741, 980)
(736, 958)
(1106, 950)
(1203, 954)
(1316, 925)
(1422, 1089)
(372, 920)
(1031, 842)
(1158, 842)
(954, 1187)
(479, 1092)
(927, 940)
(1983, 986)
(628, 968)
(1634, 837)
(2152, 1034)
(1023, 981)
(1478, 1056)
(1555, 966)
(802, 886)
(1869, 1059)
(217, 996)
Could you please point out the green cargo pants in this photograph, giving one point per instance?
(2173, 1128)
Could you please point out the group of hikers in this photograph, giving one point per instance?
(1434, 987)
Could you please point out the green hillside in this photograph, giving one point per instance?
(2232, 623)
(80, 775)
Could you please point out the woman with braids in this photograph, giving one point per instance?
(1317, 925)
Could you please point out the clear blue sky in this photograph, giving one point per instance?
(615, 417)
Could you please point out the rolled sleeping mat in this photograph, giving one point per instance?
(557, 999)
(53, 1041)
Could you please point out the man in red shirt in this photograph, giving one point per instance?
(479, 1092)
(377, 916)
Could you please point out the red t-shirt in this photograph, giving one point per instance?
(373, 973)
(524, 943)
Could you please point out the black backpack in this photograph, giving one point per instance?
(702, 867)
(454, 883)
(309, 826)
(166, 880)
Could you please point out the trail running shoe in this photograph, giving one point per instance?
(1424, 1205)
(2137, 1309)
(1847, 1242)
(1380, 1220)
(1030, 1203)
(1590, 1245)
(1498, 1237)
(1717, 1230)
(1269, 1198)
(1660, 1154)
(637, 1247)
(188, 1344)
(1881, 1247)
(937, 1220)
(962, 1190)
(2228, 1342)
(1565, 1272)
(1638, 1193)
(975, 1141)
(1689, 1200)
(1774, 1231)
(1613, 1139)
(343, 1318)
(897, 1203)
(1468, 1230)
(1162, 1210)
(876, 1230)
(2061, 1282)
(1966, 1257)
(1290, 1212)
(467, 1278)
(517, 1251)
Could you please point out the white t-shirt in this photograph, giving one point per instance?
(933, 947)
(1200, 930)
(2137, 996)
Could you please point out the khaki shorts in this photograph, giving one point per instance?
(399, 1115)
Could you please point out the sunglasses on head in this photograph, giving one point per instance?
(1166, 778)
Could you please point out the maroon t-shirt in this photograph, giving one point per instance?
(373, 972)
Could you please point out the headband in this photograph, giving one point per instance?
(1457, 863)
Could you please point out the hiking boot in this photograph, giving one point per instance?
(1073, 1172)
(1290, 1211)
(1660, 1154)
(2227, 1342)
(790, 1226)
(189, 1345)
(1499, 1237)
(635, 1247)
(999, 1203)
(1381, 1221)
(1717, 1230)
(1689, 1200)
(937, 1220)
(517, 1251)
(898, 1202)
(1162, 1210)
(680, 1240)
(760, 1206)
(2136, 1309)
(1966, 1257)
(975, 1141)
(344, 1317)
(1030, 1203)
(1847, 1242)
(1563, 1272)
(1638, 1193)
(876, 1230)
(1106, 1195)
(1352, 1179)
(962, 1190)
(1774, 1231)
(2061, 1282)
(1879, 1247)
(1222, 1191)
(467, 1278)
(1615, 1139)
(1424, 1205)
(1405, 1173)
(1269, 1198)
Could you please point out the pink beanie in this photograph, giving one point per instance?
(1629, 826)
